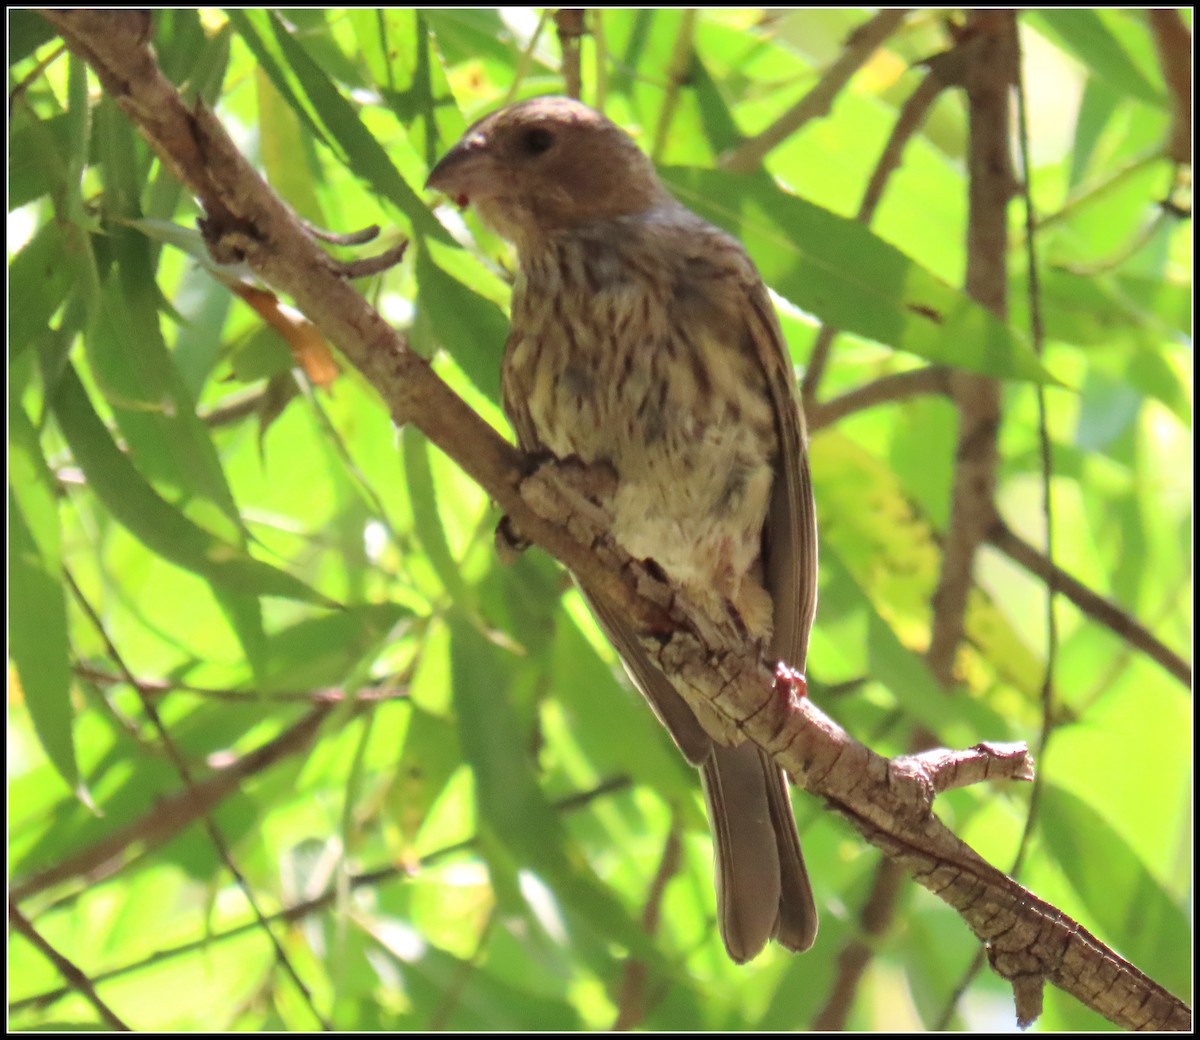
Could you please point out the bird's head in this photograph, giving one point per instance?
(547, 164)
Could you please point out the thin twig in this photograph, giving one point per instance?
(895, 386)
(369, 265)
(1038, 338)
(343, 238)
(170, 814)
(77, 978)
(632, 1003)
(235, 408)
(677, 75)
(1086, 194)
(1149, 231)
(862, 43)
(299, 911)
(185, 774)
(319, 695)
(1089, 602)
(525, 58)
(569, 23)
(875, 920)
(1174, 45)
(909, 120)
(1104, 678)
(18, 92)
(987, 61)
(945, 1020)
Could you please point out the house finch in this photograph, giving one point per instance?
(644, 341)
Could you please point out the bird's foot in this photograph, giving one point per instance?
(590, 488)
(790, 683)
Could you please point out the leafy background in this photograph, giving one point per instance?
(430, 760)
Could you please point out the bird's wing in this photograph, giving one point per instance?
(515, 401)
(762, 884)
(790, 576)
(790, 537)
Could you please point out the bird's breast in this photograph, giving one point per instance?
(611, 362)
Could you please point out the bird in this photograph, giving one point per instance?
(643, 341)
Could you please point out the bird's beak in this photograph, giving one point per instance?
(461, 169)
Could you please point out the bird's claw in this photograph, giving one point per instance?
(791, 683)
(510, 543)
(595, 481)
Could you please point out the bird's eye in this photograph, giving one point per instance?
(537, 141)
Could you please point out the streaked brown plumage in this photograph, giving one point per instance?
(644, 339)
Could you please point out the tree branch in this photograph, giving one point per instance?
(328, 695)
(677, 73)
(569, 23)
(862, 43)
(633, 1001)
(170, 750)
(874, 921)
(1174, 45)
(986, 60)
(910, 119)
(1088, 601)
(895, 386)
(171, 814)
(888, 801)
(298, 911)
(67, 968)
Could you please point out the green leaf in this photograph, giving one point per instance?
(37, 625)
(40, 276)
(264, 354)
(1096, 109)
(243, 611)
(36, 157)
(362, 153)
(840, 271)
(198, 344)
(1122, 895)
(400, 48)
(719, 125)
(643, 42)
(607, 717)
(470, 34)
(427, 519)
(154, 410)
(248, 24)
(335, 650)
(496, 745)
(496, 1003)
(27, 30)
(153, 521)
(891, 551)
(469, 325)
(179, 38)
(1083, 32)
(431, 755)
(138, 377)
(1126, 323)
(285, 151)
(79, 134)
